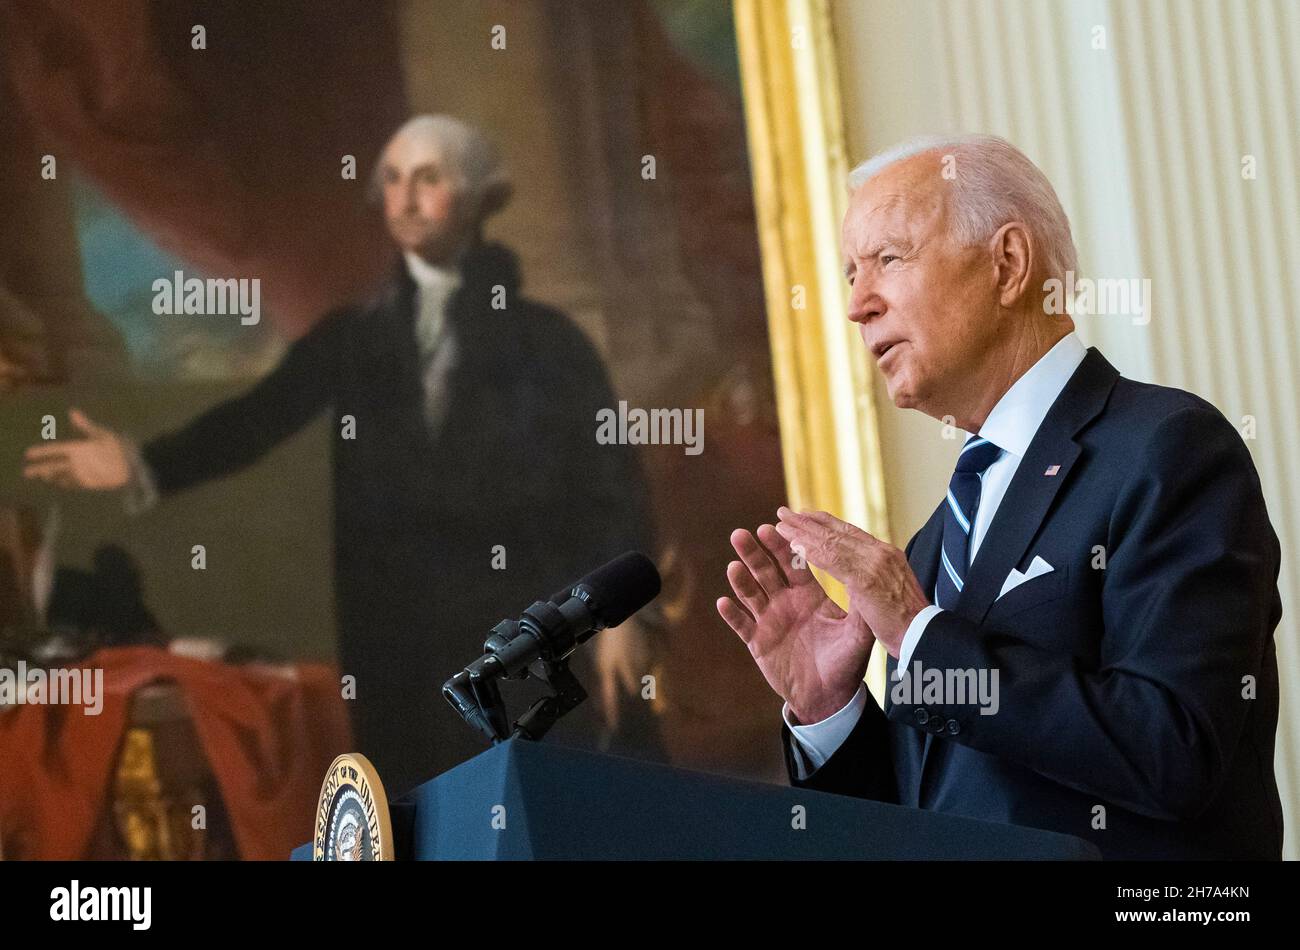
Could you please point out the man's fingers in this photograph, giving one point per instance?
(821, 517)
(746, 588)
(82, 422)
(810, 520)
(798, 536)
(46, 452)
(825, 537)
(829, 557)
(780, 551)
(788, 515)
(828, 561)
(46, 470)
(833, 525)
(802, 522)
(737, 618)
(760, 564)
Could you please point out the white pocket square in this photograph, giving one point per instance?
(1037, 568)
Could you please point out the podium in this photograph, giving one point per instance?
(524, 800)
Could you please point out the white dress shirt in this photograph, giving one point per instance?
(434, 286)
(1011, 425)
(438, 346)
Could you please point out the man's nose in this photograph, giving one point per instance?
(408, 195)
(864, 302)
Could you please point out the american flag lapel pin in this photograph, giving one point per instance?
(1052, 470)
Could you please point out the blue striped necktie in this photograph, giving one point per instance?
(959, 518)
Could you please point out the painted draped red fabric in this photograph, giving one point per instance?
(227, 158)
(270, 738)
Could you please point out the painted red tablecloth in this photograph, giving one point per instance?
(268, 736)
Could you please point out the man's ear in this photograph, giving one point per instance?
(1013, 256)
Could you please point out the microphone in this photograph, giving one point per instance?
(549, 631)
(614, 591)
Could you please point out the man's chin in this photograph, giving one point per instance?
(409, 237)
(902, 395)
(404, 243)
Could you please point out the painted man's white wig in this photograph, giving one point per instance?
(463, 152)
(994, 183)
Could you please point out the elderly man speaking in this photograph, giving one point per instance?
(1102, 560)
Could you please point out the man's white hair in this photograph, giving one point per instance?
(463, 152)
(994, 183)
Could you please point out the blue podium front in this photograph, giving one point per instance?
(524, 800)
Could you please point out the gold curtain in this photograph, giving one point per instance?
(829, 437)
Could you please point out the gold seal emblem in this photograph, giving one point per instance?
(352, 822)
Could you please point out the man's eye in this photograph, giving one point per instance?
(886, 258)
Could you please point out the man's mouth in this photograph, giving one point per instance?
(881, 349)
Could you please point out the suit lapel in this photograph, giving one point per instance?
(1015, 525)
(1025, 505)
(1042, 473)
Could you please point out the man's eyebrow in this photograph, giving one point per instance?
(895, 240)
(390, 169)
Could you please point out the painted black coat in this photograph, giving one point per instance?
(417, 513)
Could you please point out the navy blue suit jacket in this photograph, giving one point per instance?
(1138, 684)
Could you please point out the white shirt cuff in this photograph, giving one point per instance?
(818, 741)
(141, 488)
(913, 635)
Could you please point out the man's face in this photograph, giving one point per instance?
(424, 204)
(914, 287)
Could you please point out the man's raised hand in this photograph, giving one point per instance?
(810, 651)
(881, 585)
(98, 462)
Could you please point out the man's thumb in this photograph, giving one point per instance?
(83, 423)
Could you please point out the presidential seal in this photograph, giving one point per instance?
(352, 822)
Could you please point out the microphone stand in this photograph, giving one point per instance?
(544, 713)
(475, 694)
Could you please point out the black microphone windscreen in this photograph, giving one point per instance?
(617, 590)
